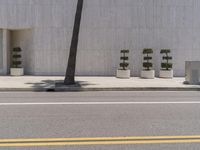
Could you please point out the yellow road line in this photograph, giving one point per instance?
(98, 141)
(100, 138)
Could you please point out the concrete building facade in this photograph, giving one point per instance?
(43, 29)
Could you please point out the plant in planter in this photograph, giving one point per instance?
(16, 69)
(148, 72)
(123, 72)
(166, 71)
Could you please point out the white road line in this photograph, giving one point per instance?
(100, 103)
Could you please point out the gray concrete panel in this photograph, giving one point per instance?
(1, 50)
(107, 27)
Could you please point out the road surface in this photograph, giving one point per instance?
(100, 120)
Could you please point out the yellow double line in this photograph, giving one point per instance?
(98, 141)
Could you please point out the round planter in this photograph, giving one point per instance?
(124, 74)
(148, 74)
(166, 73)
(16, 71)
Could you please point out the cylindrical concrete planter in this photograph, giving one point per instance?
(16, 71)
(166, 73)
(148, 74)
(124, 74)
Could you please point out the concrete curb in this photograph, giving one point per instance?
(126, 89)
(94, 89)
(84, 89)
(23, 89)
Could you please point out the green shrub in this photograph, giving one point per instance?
(147, 64)
(124, 64)
(166, 65)
(16, 56)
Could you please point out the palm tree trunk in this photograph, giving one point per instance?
(71, 68)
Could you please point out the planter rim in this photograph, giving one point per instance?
(123, 69)
(166, 70)
(148, 70)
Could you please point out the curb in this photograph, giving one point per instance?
(82, 89)
(23, 89)
(75, 89)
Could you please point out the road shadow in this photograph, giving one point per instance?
(43, 85)
(78, 84)
(52, 85)
(77, 87)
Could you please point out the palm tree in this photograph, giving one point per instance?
(70, 73)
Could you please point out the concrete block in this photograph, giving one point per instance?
(192, 72)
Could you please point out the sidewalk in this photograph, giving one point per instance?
(51, 83)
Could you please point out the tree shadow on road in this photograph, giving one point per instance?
(78, 86)
(52, 85)
(43, 85)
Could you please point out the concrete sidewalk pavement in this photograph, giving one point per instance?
(51, 83)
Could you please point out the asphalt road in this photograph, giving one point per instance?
(101, 114)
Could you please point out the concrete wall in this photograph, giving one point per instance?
(4, 46)
(1, 50)
(50, 22)
(107, 26)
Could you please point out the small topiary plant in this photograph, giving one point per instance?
(166, 65)
(147, 64)
(16, 57)
(124, 64)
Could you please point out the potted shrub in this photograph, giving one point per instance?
(16, 69)
(123, 71)
(148, 72)
(166, 71)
